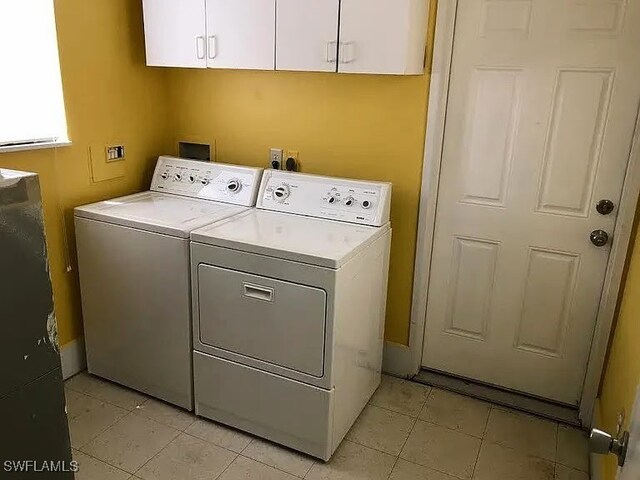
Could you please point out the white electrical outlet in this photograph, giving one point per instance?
(275, 158)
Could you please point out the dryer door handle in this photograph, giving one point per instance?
(258, 292)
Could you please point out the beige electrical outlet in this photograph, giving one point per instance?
(101, 167)
(291, 154)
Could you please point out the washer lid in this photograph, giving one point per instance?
(315, 241)
(159, 212)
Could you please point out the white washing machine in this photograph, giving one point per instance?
(133, 258)
(288, 307)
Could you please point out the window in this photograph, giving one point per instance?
(31, 102)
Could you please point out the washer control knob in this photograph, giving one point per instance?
(366, 204)
(281, 193)
(191, 178)
(234, 186)
(164, 175)
(349, 201)
(332, 199)
(204, 181)
(177, 177)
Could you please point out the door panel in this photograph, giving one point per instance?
(279, 322)
(307, 35)
(175, 33)
(542, 105)
(241, 34)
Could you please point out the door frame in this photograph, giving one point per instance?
(434, 137)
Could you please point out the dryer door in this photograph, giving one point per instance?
(275, 321)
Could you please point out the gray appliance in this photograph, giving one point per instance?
(33, 422)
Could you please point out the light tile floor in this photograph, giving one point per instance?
(407, 432)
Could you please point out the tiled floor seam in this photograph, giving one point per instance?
(271, 466)
(369, 404)
(227, 467)
(158, 453)
(393, 467)
(102, 461)
(80, 448)
(415, 420)
(216, 445)
(484, 433)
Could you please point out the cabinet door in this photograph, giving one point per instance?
(382, 36)
(241, 34)
(175, 33)
(307, 35)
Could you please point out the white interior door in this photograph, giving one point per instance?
(307, 35)
(241, 34)
(542, 105)
(175, 33)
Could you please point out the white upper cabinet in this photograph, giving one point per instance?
(241, 34)
(307, 35)
(175, 33)
(349, 36)
(383, 36)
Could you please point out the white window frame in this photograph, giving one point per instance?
(51, 59)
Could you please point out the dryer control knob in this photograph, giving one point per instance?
(349, 201)
(204, 181)
(192, 179)
(177, 177)
(234, 186)
(281, 193)
(332, 199)
(366, 204)
(164, 175)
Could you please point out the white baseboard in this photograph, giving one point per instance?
(396, 360)
(73, 358)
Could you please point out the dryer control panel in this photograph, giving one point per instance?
(209, 181)
(354, 201)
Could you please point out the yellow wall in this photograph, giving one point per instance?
(347, 125)
(622, 374)
(110, 96)
(358, 126)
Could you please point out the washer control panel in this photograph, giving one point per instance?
(354, 201)
(209, 181)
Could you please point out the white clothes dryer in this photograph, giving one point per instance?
(288, 309)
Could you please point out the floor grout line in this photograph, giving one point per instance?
(369, 404)
(93, 437)
(415, 421)
(484, 432)
(158, 453)
(101, 461)
(227, 467)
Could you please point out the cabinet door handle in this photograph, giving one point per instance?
(212, 47)
(347, 54)
(200, 47)
(332, 51)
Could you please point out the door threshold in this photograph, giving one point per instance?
(498, 396)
